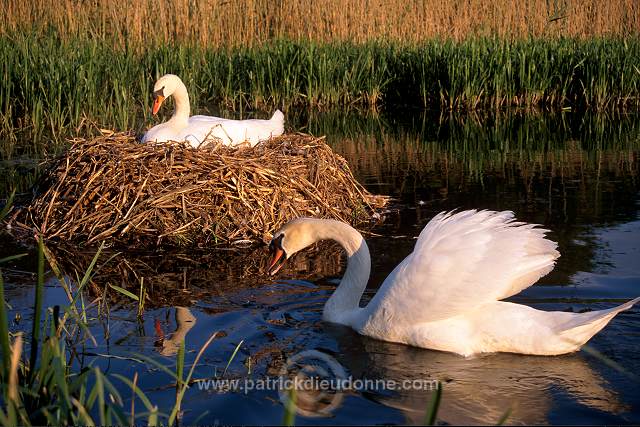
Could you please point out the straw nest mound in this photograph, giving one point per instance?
(112, 188)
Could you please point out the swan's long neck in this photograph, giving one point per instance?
(182, 109)
(343, 305)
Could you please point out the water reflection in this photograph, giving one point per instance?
(476, 390)
(170, 345)
(177, 278)
(538, 162)
(575, 173)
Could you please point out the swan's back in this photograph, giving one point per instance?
(199, 129)
(233, 132)
(461, 261)
(446, 294)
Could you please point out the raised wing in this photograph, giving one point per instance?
(461, 261)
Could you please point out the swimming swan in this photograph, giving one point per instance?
(196, 129)
(446, 294)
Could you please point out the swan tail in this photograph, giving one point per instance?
(278, 116)
(277, 123)
(583, 326)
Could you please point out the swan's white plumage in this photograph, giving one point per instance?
(199, 129)
(463, 260)
(446, 294)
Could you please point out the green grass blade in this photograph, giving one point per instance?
(153, 417)
(289, 418)
(504, 417)
(179, 375)
(99, 386)
(155, 363)
(11, 258)
(84, 417)
(174, 412)
(87, 273)
(434, 405)
(124, 292)
(232, 357)
(4, 333)
(37, 311)
(7, 207)
(145, 400)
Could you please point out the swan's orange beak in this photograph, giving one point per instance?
(157, 102)
(278, 255)
(277, 260)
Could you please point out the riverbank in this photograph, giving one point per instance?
(63, 88)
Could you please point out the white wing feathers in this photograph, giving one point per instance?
(461, 261)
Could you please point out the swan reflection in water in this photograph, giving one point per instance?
(479, 389)
(168, 346)
(476, 390)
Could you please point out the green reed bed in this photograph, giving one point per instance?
(60, 88)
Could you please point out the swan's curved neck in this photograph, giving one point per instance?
(343, 305)
(182, 110)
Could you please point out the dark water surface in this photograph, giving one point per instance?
(576, 174)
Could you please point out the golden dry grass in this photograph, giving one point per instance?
(251, 22)
(115, 189)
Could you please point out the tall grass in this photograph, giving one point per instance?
(48, 389)
(59, 88)
(44, 390)
(251, 22)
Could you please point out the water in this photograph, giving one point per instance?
(576, 174)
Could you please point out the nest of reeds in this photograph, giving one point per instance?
(112, 188)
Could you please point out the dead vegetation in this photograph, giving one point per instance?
(253, 22)
(114, 189)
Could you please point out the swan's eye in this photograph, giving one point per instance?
(159, 92)
(276, 243)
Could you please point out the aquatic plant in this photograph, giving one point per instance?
(47, 388)
(44, 389)
(57, 88)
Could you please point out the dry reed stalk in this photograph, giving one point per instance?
(113, 188)
(16, 352)
(251, 22)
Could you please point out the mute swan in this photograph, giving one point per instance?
(196, 129)
(446, 294)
